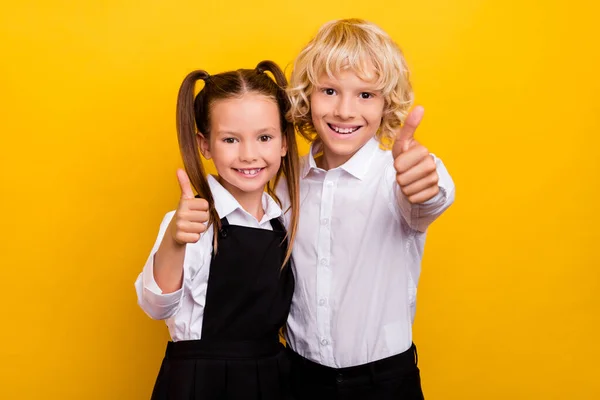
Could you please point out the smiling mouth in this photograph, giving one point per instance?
(249, 172)
(342, 130)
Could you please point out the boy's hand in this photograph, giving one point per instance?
(415, 167)
(188, 223)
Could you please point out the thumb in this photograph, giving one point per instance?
(406, 134)
(184, 184)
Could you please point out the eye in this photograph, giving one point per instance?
(328, 91)
(229, 140)
(265, 138)
(366, 95)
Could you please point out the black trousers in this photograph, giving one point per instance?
(396, 377)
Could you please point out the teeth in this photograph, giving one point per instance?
(250, 171)
(344, 130)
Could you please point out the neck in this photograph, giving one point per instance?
(250, 201)
(328, 161)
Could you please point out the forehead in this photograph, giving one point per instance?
(249, 112)
(360, 73)
(350, 79)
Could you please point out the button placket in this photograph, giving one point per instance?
(324, 272)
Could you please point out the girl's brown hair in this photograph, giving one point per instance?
(193, 116)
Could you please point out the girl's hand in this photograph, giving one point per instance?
(189, 221)
(415, 167)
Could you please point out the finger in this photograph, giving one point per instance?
(197, 204)
(425, 167)
(184, 226)
(424, 195)
(183, 237)
(420, 185)
(412, 157)
(406, 133)
(191, 227)
(184, 185)
(193, 216)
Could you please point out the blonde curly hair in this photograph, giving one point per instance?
(359, 46)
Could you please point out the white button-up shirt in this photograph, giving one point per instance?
(357, 259)
(183, 309)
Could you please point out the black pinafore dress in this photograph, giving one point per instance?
(248, 298)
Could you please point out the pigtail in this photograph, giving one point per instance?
(274, 69)
(290, 168)
(290, 162)
(187, 110)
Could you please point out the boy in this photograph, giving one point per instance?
(363, 216)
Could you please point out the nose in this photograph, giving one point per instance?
(345, 108)
(248, 151)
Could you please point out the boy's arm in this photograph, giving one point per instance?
(424, 186)
(420, 215)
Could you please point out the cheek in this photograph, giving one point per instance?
(222, 154)
(318, 107)
(375, 115)
(274, 161)
(271, 151)
(313, 111)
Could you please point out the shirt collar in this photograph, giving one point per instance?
(225, 203)
(357, 165)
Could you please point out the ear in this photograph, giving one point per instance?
(204, 145)
(283, 146)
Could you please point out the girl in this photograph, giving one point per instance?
(225, 288)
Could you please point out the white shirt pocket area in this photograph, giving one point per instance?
(397, 337)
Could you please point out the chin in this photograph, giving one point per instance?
(247, 187)
(344, 149)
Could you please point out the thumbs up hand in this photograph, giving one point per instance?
(415, 167)
(188, 223)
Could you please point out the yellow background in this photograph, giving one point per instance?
(509, 298)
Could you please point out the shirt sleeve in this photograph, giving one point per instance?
(420, 216)
(152, 300)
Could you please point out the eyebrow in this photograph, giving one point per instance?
(269, 129)
(329, 83)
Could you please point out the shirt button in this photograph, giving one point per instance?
(324, 221)
(322, 302)
(324, 342)
(329, 183)
(323, 261)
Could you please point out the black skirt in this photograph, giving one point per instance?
(209, 370)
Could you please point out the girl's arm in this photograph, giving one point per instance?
(168, 263)
(159, 286)
(186, 226)
(152, 300)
